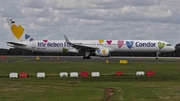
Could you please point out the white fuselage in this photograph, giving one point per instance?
(101, 48)
(112, 45)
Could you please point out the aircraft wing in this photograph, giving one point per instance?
(80, 47)
(16, 43)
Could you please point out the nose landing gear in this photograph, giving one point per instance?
(157, 55)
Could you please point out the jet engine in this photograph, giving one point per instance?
(102, 52)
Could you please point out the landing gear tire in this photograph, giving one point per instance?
(87, 57)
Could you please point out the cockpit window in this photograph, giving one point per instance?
(168, 45)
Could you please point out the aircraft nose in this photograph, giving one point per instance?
(173, 49)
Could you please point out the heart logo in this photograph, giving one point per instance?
(45, 40)
(98, 50)
(31, 39)
(17, 31)
(120, 43)
(101, 41)
(161, 45)
(103, 51)
(109, 42)
(129, 44)
(27, 36)
(64, 50)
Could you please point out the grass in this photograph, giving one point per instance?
(164, 86)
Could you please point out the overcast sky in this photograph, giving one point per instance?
(93, 19)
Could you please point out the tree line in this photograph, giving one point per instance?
(14, 51)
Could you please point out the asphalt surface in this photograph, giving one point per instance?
(110, 59)
(93, 59)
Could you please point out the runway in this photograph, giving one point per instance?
(113, 59)
(93, 59)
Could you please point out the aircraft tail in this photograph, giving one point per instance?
(18, 31)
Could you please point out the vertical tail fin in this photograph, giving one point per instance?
(18, 31)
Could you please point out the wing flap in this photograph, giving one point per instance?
(82, 47)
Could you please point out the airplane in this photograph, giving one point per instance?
(102, 48)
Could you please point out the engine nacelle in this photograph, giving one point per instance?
(102, 52)
(73, 50)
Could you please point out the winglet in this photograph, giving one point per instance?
(67, 40)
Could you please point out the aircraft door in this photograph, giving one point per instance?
(33, 46)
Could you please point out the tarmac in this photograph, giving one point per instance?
(109, 59)
(93, 59)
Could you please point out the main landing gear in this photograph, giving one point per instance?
(87, 55)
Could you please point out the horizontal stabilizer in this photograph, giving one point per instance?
(16, 43)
